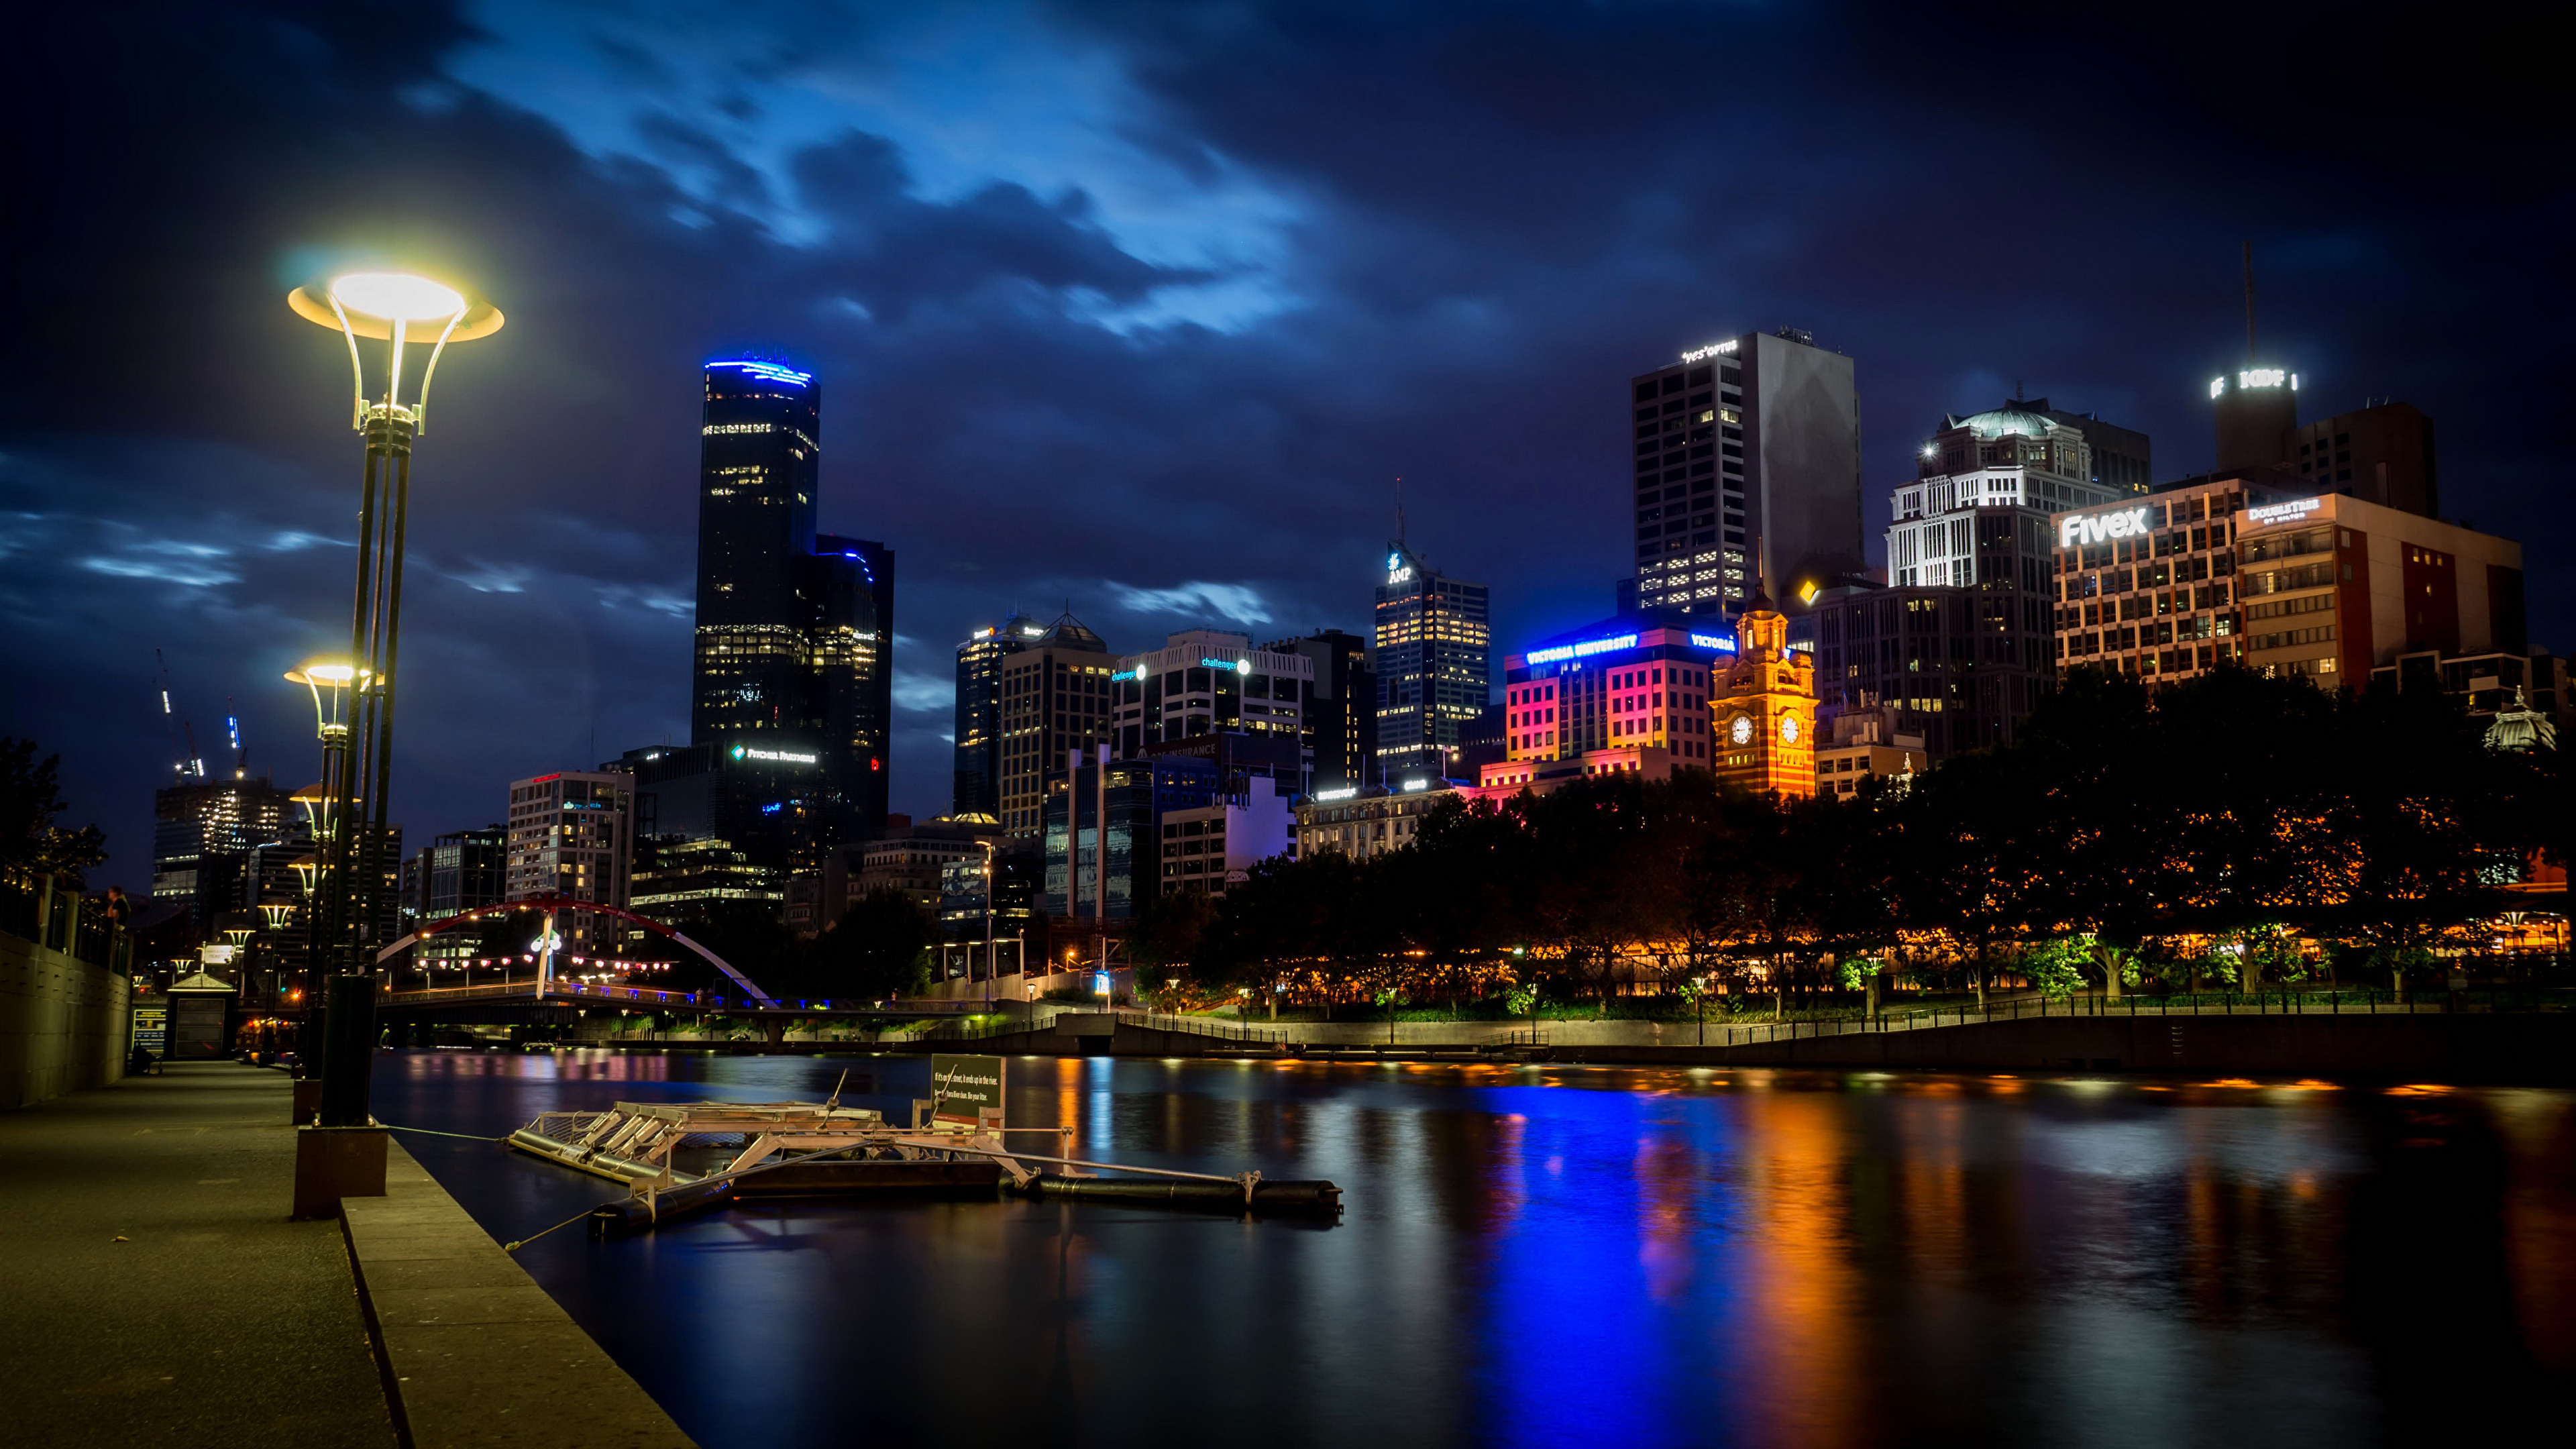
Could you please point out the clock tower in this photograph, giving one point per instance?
(1764, 708)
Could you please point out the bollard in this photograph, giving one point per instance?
(348, 1051)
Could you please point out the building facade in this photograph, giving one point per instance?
(976, 788)
(1746, 472)
(1340, 709)
(678, 879)
(1056, 695)
(1627, 683)
(2333, 588)
(1207, 849)
(1976, 519)
(1205, 684)
(1368, 821)
(572, 834)
(2149, 587)
(1433, 642)
(2381, 453)
(1103, 822)
(202, 838)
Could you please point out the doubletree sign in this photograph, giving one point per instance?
(962, 1089)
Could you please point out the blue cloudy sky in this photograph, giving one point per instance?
(1146, 306)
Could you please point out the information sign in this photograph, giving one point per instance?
(962, 1089)
(152, 1027)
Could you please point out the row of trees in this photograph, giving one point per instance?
(2202, 829)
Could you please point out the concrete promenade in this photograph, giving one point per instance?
(481, 1356)
(151, 1289)
(153, 1292)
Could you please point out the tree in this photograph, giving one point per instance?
(878, 947)
(30, 800)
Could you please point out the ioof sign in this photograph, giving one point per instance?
(963, 1088)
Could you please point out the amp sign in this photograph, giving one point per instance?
(2076, 530)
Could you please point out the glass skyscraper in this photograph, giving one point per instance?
(978, 784)
(1434, 648)
(795, 629)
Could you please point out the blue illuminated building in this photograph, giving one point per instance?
(1638, 683)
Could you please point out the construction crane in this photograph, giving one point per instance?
(190, 768)
(241, 754)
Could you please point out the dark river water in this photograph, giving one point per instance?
(1547, 1257)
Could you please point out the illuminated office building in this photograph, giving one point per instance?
(794, 629)
(1056, 694)
(202, 838)
(1434, 647)
(1210, 694)
(976, 786)
(572, 834)
(1747, 473)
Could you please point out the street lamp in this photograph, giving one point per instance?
(395, 308)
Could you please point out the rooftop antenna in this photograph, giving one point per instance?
(1399, 511)
(2249, 299)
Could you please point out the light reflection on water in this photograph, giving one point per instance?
(1634, 1257)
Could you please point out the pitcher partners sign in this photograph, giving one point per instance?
(963, 1088)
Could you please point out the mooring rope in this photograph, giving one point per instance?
(532, 1237)
(434, 1132)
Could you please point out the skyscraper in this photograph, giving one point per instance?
(977, 787)
(758, 461)
(794, 629)
(1340, 718)
(1434, 649)
(202, 838)
(1055, 697)
(1747, 472)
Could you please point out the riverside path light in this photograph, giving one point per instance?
(404, 312)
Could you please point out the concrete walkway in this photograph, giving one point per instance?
(151, 1289)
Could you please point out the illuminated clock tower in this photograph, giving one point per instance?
(1764, 708)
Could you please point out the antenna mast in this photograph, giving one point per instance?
(1399, 511)
(2249, 299)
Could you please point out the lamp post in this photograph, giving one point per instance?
(357, 743)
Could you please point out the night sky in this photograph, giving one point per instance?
(1145, 307)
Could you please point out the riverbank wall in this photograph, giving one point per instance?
(62, 1019)
(2534, 1048)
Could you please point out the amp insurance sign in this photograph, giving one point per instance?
(962, 1089)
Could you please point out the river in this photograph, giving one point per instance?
(1555, 1256)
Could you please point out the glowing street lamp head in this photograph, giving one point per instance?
(322, 672)
(396, 295)
(368, 304)
(396, 307)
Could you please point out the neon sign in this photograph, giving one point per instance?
(768, 371)
(1347, 792)
(1718, 642)
(1586, 648)
(1239, 666)
(2075, 529)
(1714, 349)
(2254, 377)
(776, 757)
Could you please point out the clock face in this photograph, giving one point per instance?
(1742, 730)
(1788, 729)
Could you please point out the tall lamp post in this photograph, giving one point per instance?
(398, 309)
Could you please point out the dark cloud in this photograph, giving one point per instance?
(1460, 229)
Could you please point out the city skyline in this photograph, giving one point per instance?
(1126, 444)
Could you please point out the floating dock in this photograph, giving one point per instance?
(679, 1158)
